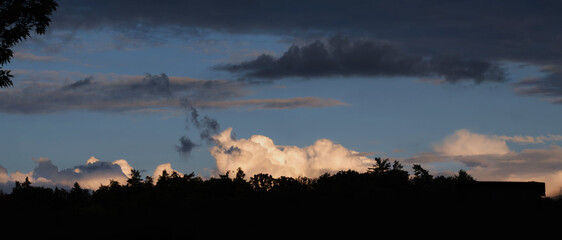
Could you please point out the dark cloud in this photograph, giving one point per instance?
(343, 56)
(186, 146)
(79, 83)
(548, 86)
(206, 126)
(209, 128)
(520, 30)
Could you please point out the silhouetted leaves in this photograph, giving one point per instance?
(18, 18)
(381, 165)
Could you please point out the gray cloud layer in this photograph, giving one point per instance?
(343, 56)
(119, 93)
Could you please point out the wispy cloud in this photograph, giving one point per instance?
(49, 92)
(548, 86)
(278, 103)
(530, 139)
(32, 57)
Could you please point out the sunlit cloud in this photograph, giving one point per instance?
(91, 175)
(259, 154)
(465, 143)
(488, 157)
(161, 168)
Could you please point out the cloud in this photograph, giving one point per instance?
(125, 167)
(3, 174)
(548, 86)
(51, 91)
(519, 30)
(32, 57)
(161, 168)
(91, 175)
(465, 143)
(544, 164)
(259, 154)
(186, 146)
(206, 126)
(530, 139)
(344, 56)
(276, 103)
(488, 158)
(110, 93)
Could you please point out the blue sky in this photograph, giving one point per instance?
(400, 111)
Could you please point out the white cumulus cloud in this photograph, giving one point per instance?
(466, 143)
(259, 154)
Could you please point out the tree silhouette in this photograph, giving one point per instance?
(163, 179)
(77, 194)
(463, 177)
(262, 182)
(135, 179)
(380, 166)
(421, 176)
(18, 18)
(240, 175)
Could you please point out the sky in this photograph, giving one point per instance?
(292, 88)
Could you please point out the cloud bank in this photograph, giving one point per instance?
(259, 154)
(518, 30)
(90, 175)
(343, 56)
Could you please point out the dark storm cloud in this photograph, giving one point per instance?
(343, 56)
(520, 30)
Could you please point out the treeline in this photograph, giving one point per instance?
(383, 187)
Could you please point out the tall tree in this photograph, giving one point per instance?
(380, 166)
(135, 179)
(18, 18)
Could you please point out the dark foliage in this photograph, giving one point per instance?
(384, 190)
(18, 19)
